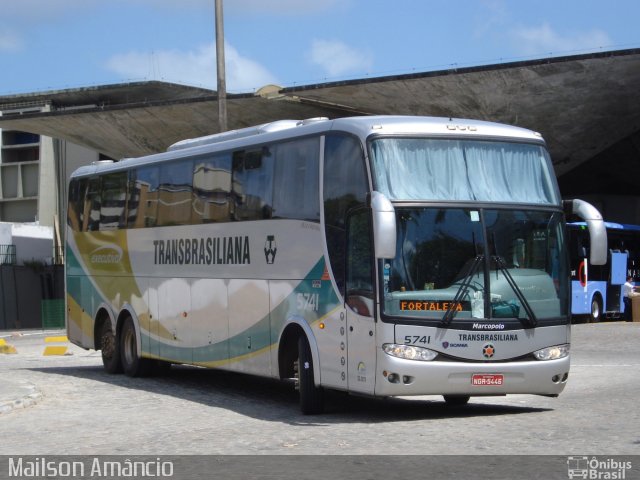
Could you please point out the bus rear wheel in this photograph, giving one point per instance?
(132, 364)
(596, 309)
(311, 397)
(110, 349)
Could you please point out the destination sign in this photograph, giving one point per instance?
(433, 306)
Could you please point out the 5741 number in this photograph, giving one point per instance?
(417, 339)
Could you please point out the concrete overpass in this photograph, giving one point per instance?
(587, 107)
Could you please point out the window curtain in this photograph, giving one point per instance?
(423, 169)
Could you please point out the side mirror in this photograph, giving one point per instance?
(384, 226)
(595, 224)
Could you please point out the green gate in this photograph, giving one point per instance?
(52, 313)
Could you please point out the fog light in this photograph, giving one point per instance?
(394, 378)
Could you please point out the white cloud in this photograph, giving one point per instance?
(195, 67)
(544, 39)
(493, 16)
(337, 58)
(9, 41)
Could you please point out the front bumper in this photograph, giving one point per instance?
(454, 378)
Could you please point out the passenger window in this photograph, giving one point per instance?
(175, 193)
(211, 189)
(345, 186)
(295, 193)
(252, 184)
(75, 209)
(114, 201)
(93, 206)
(143, 197)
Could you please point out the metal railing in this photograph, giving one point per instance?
(7, 254)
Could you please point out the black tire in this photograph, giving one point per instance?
(132, 364)
(311, 397)
(596, 309)
(456, 400)
(110, 349)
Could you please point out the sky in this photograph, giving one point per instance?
(59, 44)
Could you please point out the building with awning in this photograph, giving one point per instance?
(587, 107)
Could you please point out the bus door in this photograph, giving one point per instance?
(359, 299)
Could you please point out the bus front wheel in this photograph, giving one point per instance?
(311, 397)
(596, 309)
(132, 364)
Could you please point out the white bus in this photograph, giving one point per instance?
(384, 256)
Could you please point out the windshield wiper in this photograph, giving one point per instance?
(462, 290)
(531, 321)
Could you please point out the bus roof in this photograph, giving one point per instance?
(361, 126)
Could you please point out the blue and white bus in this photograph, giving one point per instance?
(596, 290)
(382, 256)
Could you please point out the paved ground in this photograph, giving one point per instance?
(69, 405)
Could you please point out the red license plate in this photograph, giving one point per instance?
(487, 379)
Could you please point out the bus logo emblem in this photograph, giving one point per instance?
(488, 350)
(270, 249)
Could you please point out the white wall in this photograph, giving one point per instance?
(33, 242)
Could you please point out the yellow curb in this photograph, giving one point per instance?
(56, 339)
(5, 348)
(55, 350)
(2, 342)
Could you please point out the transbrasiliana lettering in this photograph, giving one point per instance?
(488, 337)
(202, 251)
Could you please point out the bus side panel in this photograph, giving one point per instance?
(82, 299)
(139, 301)
(174, 307)
(209, 321)
(314, 301)
(79, 321)
(249, 328)
(581, 297)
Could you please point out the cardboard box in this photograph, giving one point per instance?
(635, 307)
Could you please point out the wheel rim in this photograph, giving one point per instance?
(129, 346)
(595, 309)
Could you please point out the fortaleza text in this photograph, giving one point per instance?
(202, 251)
(40, 467)
(435, 305)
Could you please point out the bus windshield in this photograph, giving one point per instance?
(462, 170)
(477, 263)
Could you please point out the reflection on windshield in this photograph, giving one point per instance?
(476, 264)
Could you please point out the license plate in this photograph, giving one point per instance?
(487, 379)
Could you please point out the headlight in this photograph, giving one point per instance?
(409, 352)
(552, 353)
